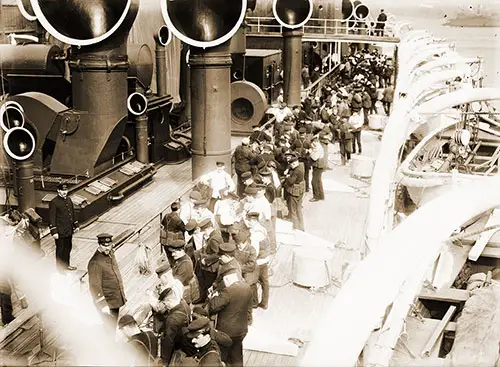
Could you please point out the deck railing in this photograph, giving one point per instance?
(317, 26)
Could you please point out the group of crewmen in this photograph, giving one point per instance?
(216, 250)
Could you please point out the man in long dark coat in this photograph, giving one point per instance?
(105, 280)
(63, 224)
(232, 305)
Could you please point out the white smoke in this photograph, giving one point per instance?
(64, 309)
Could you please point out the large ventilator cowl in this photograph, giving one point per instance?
(292, 13)
(203, 23)
(81, 22)
(19, 143)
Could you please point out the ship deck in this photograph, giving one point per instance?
(293, 310)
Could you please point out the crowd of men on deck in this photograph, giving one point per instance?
(217, 244)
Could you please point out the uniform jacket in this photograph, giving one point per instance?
(62, 219)
(207, 356)
(242, 156)
(367, 100)
(105, 280)
(178, 318)
(232, 305)
(210, 252)
(246, 258)
(296, 177)
(5, 287)
(301, 145)
(173, 223)
(231, 267)
(205, 191)
(182, 269)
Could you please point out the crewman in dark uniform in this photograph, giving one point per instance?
(6, 301)
(294, 186)
(246, 256)
(206, 351)
(231, 305)
(144, 343)
(209, 257)
(227, 263)
(63, 224)
(172, 225)
(241, 158)
(178, 317)
(182, 269)
(302, 146)
(105, 280)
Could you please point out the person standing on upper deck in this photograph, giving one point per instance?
(381, 19)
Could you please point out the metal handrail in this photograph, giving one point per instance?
(317, 26)
(318, 84)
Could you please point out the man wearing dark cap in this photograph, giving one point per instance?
(206, 351)
(231, 305)
(105, 280)
(294, 186)
(182, 269)
(190, 227)
(227, 262)
(245, 253)
(302, 146)
(144, 343)
(62, 224)
(246, 256)
(241, 161)
(209, 257)
(259, 136)
(178, 316)
(318, 164)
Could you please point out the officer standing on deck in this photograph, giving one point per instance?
(294, 185)
(105, 280)
(63, 224)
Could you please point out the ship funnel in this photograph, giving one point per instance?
(292, 13)
(203, 23)
(81, 22)
(11, 115)
(164, 36)
(137, 104)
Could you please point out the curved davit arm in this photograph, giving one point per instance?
(342, 333)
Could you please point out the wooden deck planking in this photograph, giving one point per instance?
(293, 311)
